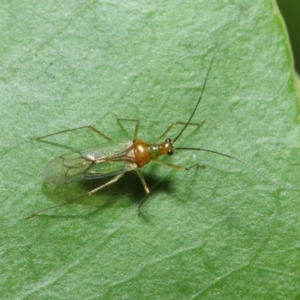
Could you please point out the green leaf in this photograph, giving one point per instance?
(220, 232)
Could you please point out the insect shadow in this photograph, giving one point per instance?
(126, 188)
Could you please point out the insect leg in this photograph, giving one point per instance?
(74, 200)
(137, 124)
(104, 185)
(182, 123)
(180, 168)
(142, 178)
(73, 129)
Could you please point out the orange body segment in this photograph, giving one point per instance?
(145, 152)
(142, 152)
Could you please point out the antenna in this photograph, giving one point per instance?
(231, 157)
(200, 97)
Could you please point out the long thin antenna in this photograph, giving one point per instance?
(200, 97)
(231, 157)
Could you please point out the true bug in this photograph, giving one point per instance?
(114, 159)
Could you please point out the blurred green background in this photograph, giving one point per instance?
(290, 10)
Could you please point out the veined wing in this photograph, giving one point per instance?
(98, 162)
(65, 169)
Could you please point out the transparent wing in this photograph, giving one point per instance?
(65, 169)
(90, 164)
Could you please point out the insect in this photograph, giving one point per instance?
(114, 159)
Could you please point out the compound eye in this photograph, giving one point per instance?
(170, 152)
(168, 141)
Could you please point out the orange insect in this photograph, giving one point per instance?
(114, 159)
